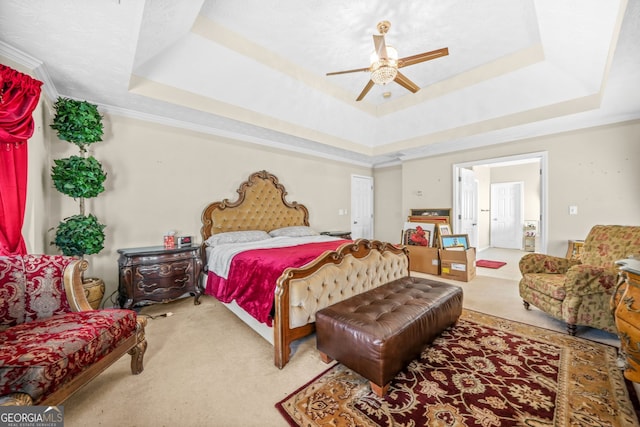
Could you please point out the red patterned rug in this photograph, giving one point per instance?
(489, 264)
(484, 371)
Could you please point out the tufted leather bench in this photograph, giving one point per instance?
(377, 333)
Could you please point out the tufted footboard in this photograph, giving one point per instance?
(336, 275)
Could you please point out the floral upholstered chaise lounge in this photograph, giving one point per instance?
(579, 291)
(51, 341)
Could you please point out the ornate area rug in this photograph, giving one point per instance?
(484, 371)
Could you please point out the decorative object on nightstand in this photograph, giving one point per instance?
(157, 275)
(341, 234)
(625, 306)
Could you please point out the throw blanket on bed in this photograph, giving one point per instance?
(219, 257)
(253, 274)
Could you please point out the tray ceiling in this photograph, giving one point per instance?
(256, 70)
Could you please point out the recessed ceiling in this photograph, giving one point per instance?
(256, 70)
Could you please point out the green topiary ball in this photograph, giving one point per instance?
(78, 176)
(78, 122)
(80, 235)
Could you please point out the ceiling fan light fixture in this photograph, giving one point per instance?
(384, 70)
(384, 74)
(385, 63)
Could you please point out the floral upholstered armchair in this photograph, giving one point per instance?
(51, 341)
(578, 291)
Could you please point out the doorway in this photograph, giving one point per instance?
(461, 200)
(506, 215)
(361, 207)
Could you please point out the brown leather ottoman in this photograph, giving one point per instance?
(377, 333)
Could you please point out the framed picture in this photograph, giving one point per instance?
(454, 241)
(444, 229)
(418, 234)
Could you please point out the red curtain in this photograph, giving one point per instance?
(19, 95)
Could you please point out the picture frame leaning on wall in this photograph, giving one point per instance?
(444, 229)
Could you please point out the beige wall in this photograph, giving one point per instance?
(161, 178)
(595, 169)
(389, 217)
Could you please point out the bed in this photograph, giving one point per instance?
(276, 286)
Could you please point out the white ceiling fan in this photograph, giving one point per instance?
(385, 63)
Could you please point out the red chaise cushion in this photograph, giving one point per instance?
(37, 357)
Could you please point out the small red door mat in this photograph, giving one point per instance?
(489, 264)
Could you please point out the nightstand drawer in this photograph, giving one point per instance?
(163, 281)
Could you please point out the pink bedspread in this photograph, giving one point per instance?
(253, 274)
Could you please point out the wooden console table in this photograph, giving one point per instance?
(625, 305)
(156, 275)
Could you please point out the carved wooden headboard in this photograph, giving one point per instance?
(261, 205)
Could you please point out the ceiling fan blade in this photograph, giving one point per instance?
(349, 71)
(380, 46)
(421, 57)
(366, 90)
(403, 81)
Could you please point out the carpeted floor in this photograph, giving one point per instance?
(483, 371)
(204, 367)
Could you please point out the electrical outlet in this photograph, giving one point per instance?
(573, 210)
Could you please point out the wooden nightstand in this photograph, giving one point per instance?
(340, 234)
(156, 275)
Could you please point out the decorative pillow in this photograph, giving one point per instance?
(293, 231)
(237, 237)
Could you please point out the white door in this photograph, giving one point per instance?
(361, 207)
(468, 215)
(506, 215)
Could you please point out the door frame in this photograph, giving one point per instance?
(542, 157)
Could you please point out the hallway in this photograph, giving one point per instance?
(508, 271)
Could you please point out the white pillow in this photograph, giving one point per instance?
(237, 237)
(293, 231)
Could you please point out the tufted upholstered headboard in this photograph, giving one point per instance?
(261, 205)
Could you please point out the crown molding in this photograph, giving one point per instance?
(208, 130)
(35, 65)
